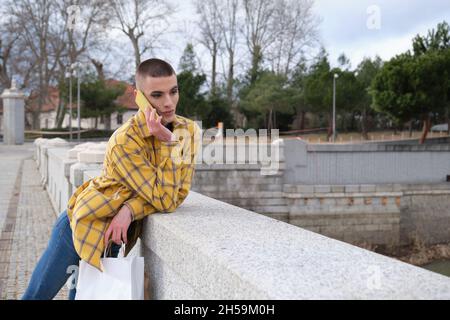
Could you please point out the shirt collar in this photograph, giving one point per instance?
(142, 123)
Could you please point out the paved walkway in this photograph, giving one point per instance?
(26, 220)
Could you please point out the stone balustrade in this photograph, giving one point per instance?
(382, 215)
(42, 146)
(209, 249)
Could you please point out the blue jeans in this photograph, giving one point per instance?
(57, 263)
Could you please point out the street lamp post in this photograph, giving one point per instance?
(79, 110)
(74, 71)
(69, 75)
(334, 106)
(78, 106)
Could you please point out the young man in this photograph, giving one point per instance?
(148, 167)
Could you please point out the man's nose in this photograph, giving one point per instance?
(168, 103)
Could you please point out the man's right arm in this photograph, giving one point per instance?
(157, 185)
(140, 208)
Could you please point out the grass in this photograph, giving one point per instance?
(356, 137)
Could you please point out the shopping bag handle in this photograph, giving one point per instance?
(109, 246)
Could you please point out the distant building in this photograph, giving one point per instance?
(49, 109)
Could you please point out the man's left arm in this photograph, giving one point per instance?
(141, 208)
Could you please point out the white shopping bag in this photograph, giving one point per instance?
(121, 279)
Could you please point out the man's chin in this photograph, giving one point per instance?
(170, 119)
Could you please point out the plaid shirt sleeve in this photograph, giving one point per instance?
(157, 188)
(140, 208)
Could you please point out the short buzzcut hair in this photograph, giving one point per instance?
(153, 67)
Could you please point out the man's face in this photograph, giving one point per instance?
(163, 95)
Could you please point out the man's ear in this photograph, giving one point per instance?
(135, 92)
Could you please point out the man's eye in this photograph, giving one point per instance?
(156, 96)
(174, 92)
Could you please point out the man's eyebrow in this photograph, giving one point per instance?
(159, 92)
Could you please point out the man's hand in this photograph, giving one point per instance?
(118, 228)
(155, 126)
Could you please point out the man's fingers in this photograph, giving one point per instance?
(113, 235)
(153, 115)
(107, 235)
(124, 235)
(116, 236)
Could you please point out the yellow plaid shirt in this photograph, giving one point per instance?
(139, 171)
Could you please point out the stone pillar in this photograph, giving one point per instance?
(13, 115)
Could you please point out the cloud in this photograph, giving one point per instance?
(344, 27)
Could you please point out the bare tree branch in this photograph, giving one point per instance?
(297, 29)
(258, 30)
(142, 21)
(211, 33)
(229, 26)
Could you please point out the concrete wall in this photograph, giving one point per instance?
(426, 215)
(243, 186)
(388, 215)
(341, 164)
(355, 216)
(208, 249)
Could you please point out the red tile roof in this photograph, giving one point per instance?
(126, 99)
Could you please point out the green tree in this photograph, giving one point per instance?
(348, 94)
(319, 88)
(344, 61)
(269, 96)
(410, 87)
(367, 70)
(192, 103)
(318, 92)
(98, 99)
(435, 40)
(192, 99)
(188, 59)
(297, 84)
(218, 111)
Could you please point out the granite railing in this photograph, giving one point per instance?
(209, 249)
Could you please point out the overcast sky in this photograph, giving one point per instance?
(344, 25)
(356, 27)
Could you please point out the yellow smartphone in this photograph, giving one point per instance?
(142, 101)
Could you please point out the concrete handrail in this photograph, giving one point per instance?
(208, 249)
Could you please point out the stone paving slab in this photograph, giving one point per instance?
(25, 237)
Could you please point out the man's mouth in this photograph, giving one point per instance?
(168, 113)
